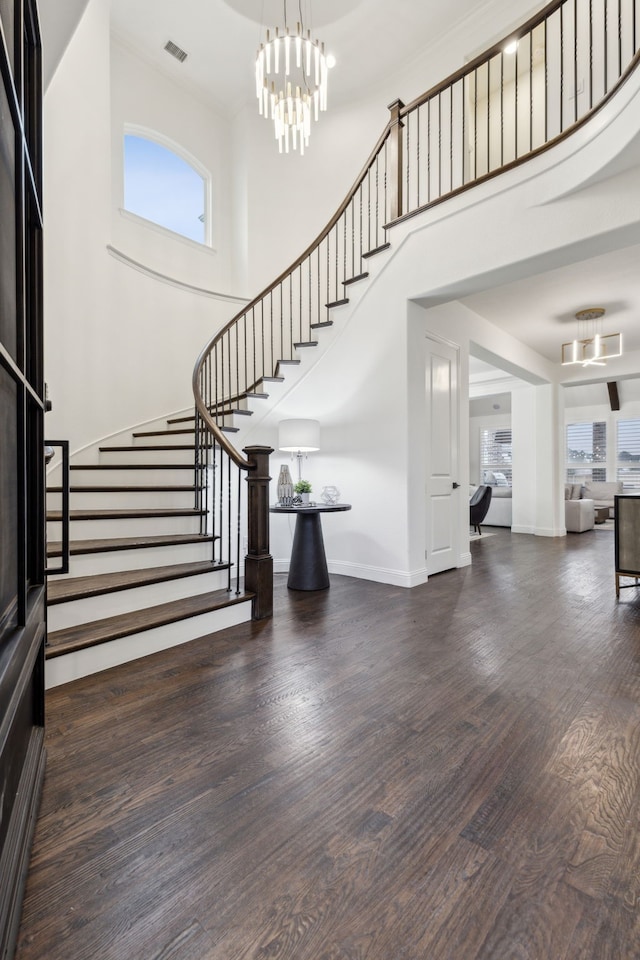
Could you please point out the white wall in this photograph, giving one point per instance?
(77, 187)
(143, 96)
(120, 345)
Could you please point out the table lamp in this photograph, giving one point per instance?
(299, 437)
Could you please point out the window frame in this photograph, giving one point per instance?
(628, 486)
(146, 133)
(491, 465)
(586, 467)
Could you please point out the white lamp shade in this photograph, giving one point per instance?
(299, 435)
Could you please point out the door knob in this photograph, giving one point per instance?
(455, 485)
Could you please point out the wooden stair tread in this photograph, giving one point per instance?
(127, 514)
(324, 323)
(77, 588)
(272, 379)
(337, 303)
(375, 250)
(356, 279)
(106, 545)
(125, 624)
(133, 466)
(306, 343)
(130, 448)
(164, 433)
(130, 488)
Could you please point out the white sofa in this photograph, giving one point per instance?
(500, 511)
(581, 501)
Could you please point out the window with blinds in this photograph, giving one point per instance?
(495, 455)
(628, 454)
(586, 451)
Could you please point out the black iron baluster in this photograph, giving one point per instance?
(515, 99)
(429, 150)
(590, 54)
(451, 89)
(488, 116)
(229, 556)
(238, 525)
(377, 242)
(502, 108)
(291, 337)
(408, 155)
(439, 145)
(475, 124)
(619, 38)
(575, 60)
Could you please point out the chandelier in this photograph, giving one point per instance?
(591, 348)
(291, 83)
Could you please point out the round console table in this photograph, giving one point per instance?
(308, 565)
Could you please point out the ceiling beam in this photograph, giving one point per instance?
(614, 398)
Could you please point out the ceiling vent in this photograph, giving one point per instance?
(176, 51)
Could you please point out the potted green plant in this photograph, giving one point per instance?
(303, 489)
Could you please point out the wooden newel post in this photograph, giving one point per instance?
(258, 563)
(395, 160)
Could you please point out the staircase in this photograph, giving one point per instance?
(143, 576)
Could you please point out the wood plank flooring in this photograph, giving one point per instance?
(444, 773)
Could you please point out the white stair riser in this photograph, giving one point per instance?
(75, 612)
(119, 478)
(112, 561)
(84, 662)
(134, 455)
(178, 499)
(164, 440)
(132, 527)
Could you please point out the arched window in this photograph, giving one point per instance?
(162, 186)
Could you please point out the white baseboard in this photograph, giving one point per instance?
(344, 568)
(396, 578)
(465, 559)
(541, 531)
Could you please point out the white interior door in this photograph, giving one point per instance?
(442, 493)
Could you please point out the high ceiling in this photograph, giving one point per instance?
(371, 39)
(543, 306)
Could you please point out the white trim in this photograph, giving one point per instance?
(396, 578)
(465, 560)
(163, 278)
(344, 568)
(165, 231)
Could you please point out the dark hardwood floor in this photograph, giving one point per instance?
(445, 773)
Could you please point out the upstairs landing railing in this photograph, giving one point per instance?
(519, 98)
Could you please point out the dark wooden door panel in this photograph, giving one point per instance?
(8, 505)
(22, 590)
(8, 234)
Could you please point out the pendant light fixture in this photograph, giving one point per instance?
(291, 82)
(591, 348)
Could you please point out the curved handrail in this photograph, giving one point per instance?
(197, 372)
(492, 114)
